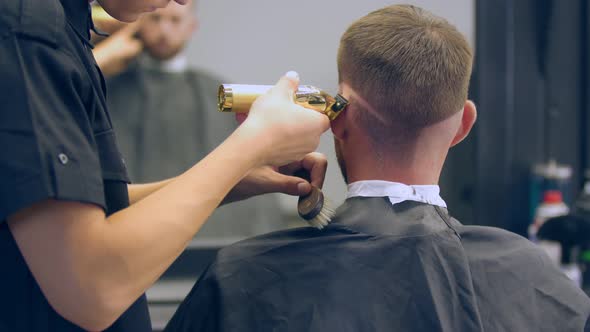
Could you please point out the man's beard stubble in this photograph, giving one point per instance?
(164, 53)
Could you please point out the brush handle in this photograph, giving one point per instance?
(309, 206)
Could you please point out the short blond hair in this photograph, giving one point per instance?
(411, 66)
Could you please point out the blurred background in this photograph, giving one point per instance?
(526, 161)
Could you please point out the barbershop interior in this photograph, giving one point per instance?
(524, 168)
(525, 165)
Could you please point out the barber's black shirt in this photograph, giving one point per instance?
(57, 142)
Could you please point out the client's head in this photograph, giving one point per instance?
(166, 31)
(406, 74)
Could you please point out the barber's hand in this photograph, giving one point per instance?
(114, 54)
(268, 179)
(286, 132)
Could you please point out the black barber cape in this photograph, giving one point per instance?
(383, 267)
(57, 143)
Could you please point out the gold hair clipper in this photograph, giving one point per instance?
(238, 98)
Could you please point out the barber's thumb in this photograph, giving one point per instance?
(287, 85)
(292, 185)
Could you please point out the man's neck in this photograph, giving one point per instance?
(420, 166)
(415, 174)
(418, 161)
(176, 64)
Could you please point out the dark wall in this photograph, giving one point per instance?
(530, 87)
(586, 69)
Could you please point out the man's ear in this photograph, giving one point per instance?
(467, 120)
(339, 124)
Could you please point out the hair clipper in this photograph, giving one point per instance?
(238, 98)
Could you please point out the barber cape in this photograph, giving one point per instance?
(384, 267)
(166, 120)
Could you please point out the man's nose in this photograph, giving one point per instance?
(166, 26)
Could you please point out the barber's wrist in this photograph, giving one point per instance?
(255, 142)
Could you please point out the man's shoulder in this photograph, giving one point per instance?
(514, 258)
(508, 268)
(489, 233)
(205, 76)
(280, 246)
(485, 244)
(484, 236)
(261, 244)
(42, 20)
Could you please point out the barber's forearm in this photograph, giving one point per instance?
(91, 268)
(140, 242)
(137, 192)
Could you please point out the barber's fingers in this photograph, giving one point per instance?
(267, 180)
(286, 86)
(290, 185)
(314, 164)
(129, 30)
(134, 47)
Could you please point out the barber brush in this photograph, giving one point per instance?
(238, 98)
(314, 207)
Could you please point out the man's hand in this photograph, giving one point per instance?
(268, 179)
(114, 53)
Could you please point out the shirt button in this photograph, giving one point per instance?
(63, 158)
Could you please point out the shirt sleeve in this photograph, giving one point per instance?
(47, 141)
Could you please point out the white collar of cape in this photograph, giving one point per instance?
(177, 64)
(397, 192)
